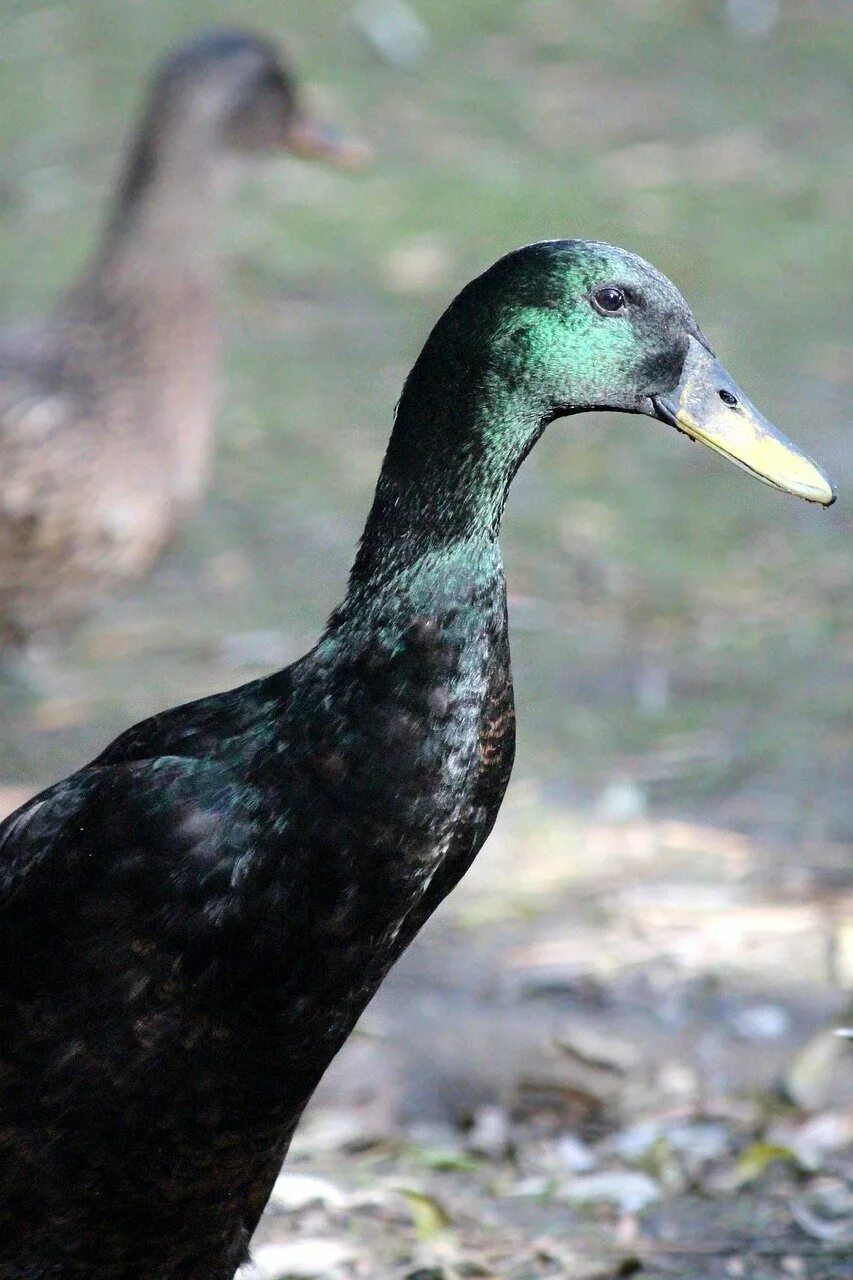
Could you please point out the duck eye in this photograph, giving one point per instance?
(609, 299)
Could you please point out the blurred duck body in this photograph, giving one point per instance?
(107, 406)
(191, 925)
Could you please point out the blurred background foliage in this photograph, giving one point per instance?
(681, 634)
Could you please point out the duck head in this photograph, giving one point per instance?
(552, 329)
(234, 91)
(584, 326)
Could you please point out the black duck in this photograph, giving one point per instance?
(191, 925)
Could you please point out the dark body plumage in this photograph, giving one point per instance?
(211, 915)
(190, 927)
(193, 924)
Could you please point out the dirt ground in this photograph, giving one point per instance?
(611, 1071)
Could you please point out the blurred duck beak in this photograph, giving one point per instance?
(708, 406)
(315, 140)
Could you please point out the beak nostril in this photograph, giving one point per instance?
(727, 398)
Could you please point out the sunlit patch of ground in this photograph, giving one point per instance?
(612, 1053)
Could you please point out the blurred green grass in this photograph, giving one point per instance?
(674, 622)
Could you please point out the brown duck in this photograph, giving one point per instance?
(107, 406)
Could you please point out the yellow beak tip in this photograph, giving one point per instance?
(815, 487)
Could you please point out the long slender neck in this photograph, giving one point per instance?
(160, 229)
(464, 424)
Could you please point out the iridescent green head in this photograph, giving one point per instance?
(570, 325)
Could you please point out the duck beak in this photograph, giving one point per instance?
(314, 140)
(709, 407)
